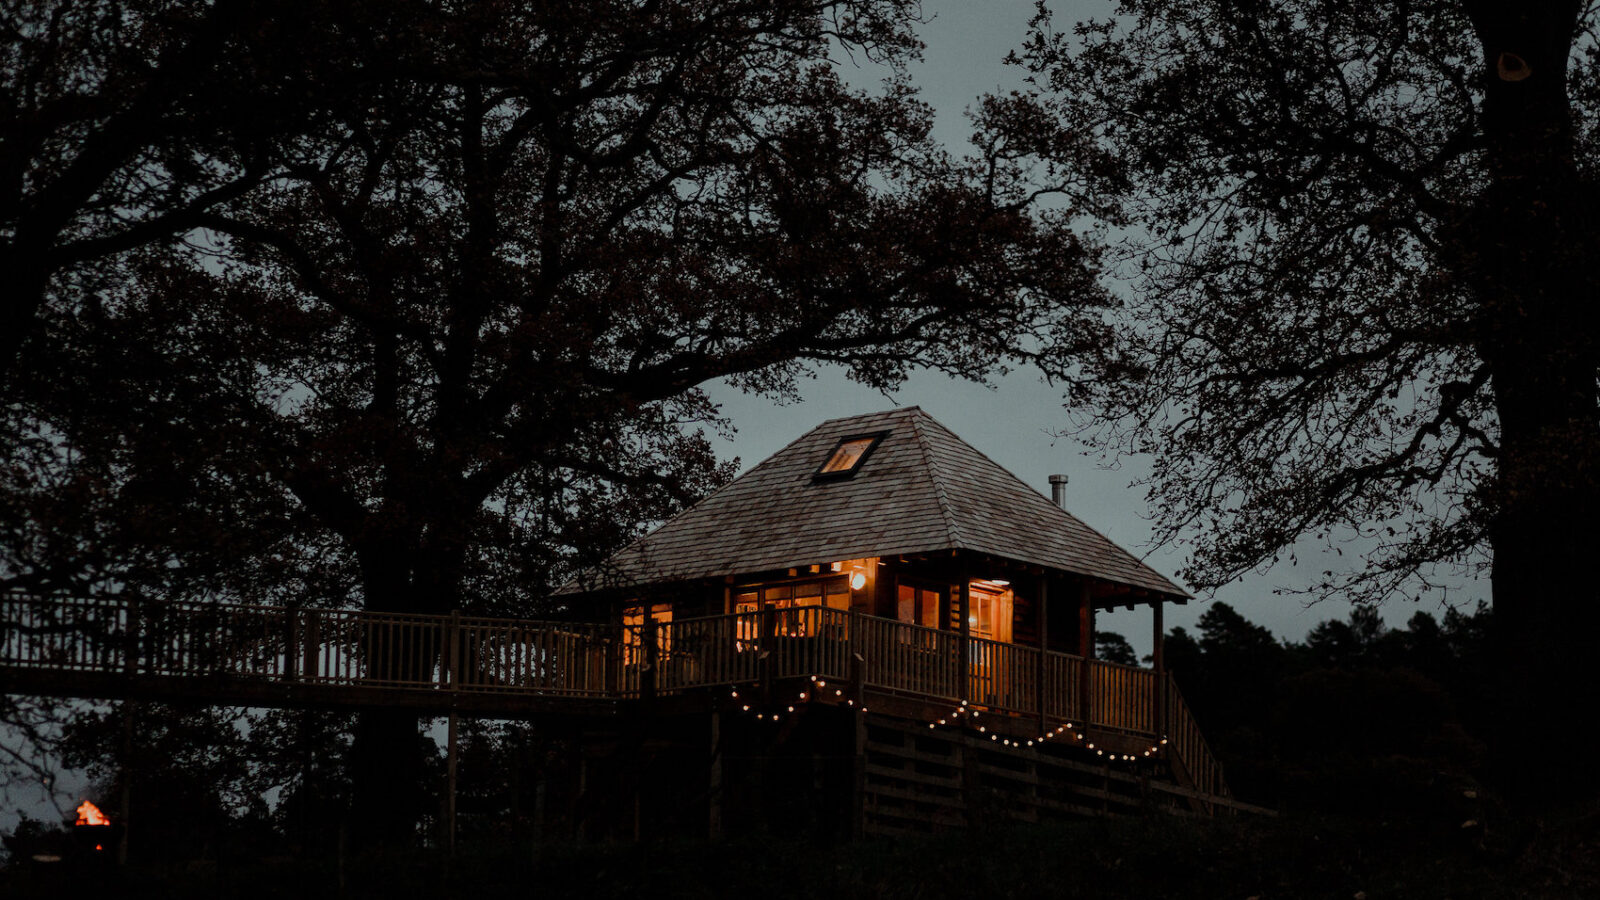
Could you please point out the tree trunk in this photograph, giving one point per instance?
(387, 753)
(403, 575)
(387, 769)
(1534, 244)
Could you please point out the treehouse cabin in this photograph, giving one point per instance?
(878, 629)
(882, 570)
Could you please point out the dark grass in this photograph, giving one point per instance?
(1311, 857)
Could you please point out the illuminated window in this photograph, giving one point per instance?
(633, 631)
(848, 456)
(918, 606)
(791, 600)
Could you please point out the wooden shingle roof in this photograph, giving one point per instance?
(922, 490)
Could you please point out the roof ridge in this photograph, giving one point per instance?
(937, 477)
(895, 410)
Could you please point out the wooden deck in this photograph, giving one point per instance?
(275, 656)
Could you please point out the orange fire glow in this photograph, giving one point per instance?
(89, 814)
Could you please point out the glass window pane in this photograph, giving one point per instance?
(847, 455)
(928, 608)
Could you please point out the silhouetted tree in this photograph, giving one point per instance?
(1361, 241)
(452, 347)
(1113, 647)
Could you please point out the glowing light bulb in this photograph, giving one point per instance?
(791, 709)
(747, 707)
(930, 725)
(858, 581)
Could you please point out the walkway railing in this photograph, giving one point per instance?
(352, 648)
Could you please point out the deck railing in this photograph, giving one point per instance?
(352, 648)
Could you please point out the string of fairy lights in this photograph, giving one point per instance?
(965, 716)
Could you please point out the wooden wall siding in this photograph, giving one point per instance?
(474, 656)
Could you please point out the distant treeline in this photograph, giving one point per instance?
(1358, 717)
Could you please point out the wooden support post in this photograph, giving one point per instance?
(1040, 683)
(964, 614)
(311, 644)
(858, 790)
(450, 756)
(714, 781)
(130, 665)
(1085, 650)
(1158, 716)
(125, 806)
(652, 656)
(452, 648)
(767, 650)
(291, 643)
(858, 679)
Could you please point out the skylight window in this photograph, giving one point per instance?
(848, 456)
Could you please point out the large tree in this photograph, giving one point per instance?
(123, 121)
(1362, 239)
(456, 339)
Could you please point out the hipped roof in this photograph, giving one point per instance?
(922, 490)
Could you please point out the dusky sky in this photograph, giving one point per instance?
(1015, 422)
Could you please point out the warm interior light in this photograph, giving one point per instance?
(847, 455)
(89, 814)
(858, 581)
(835, 566)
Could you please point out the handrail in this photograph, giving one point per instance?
(480, 654)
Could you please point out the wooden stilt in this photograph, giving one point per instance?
(1159, 696)
(1039, 687)
(1085, 650)
(450, 784)
(714, 781)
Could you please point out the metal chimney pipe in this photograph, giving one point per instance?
(1058, 490)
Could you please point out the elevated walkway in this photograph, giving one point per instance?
(512, 668)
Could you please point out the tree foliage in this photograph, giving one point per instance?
(1330, 247)
(1360, 240)
(1358, 718)
(430, 334)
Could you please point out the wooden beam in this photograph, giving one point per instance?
(1085, 646)
(451, 755)
(964, 614)
(1044, 650)
(1158, 697)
